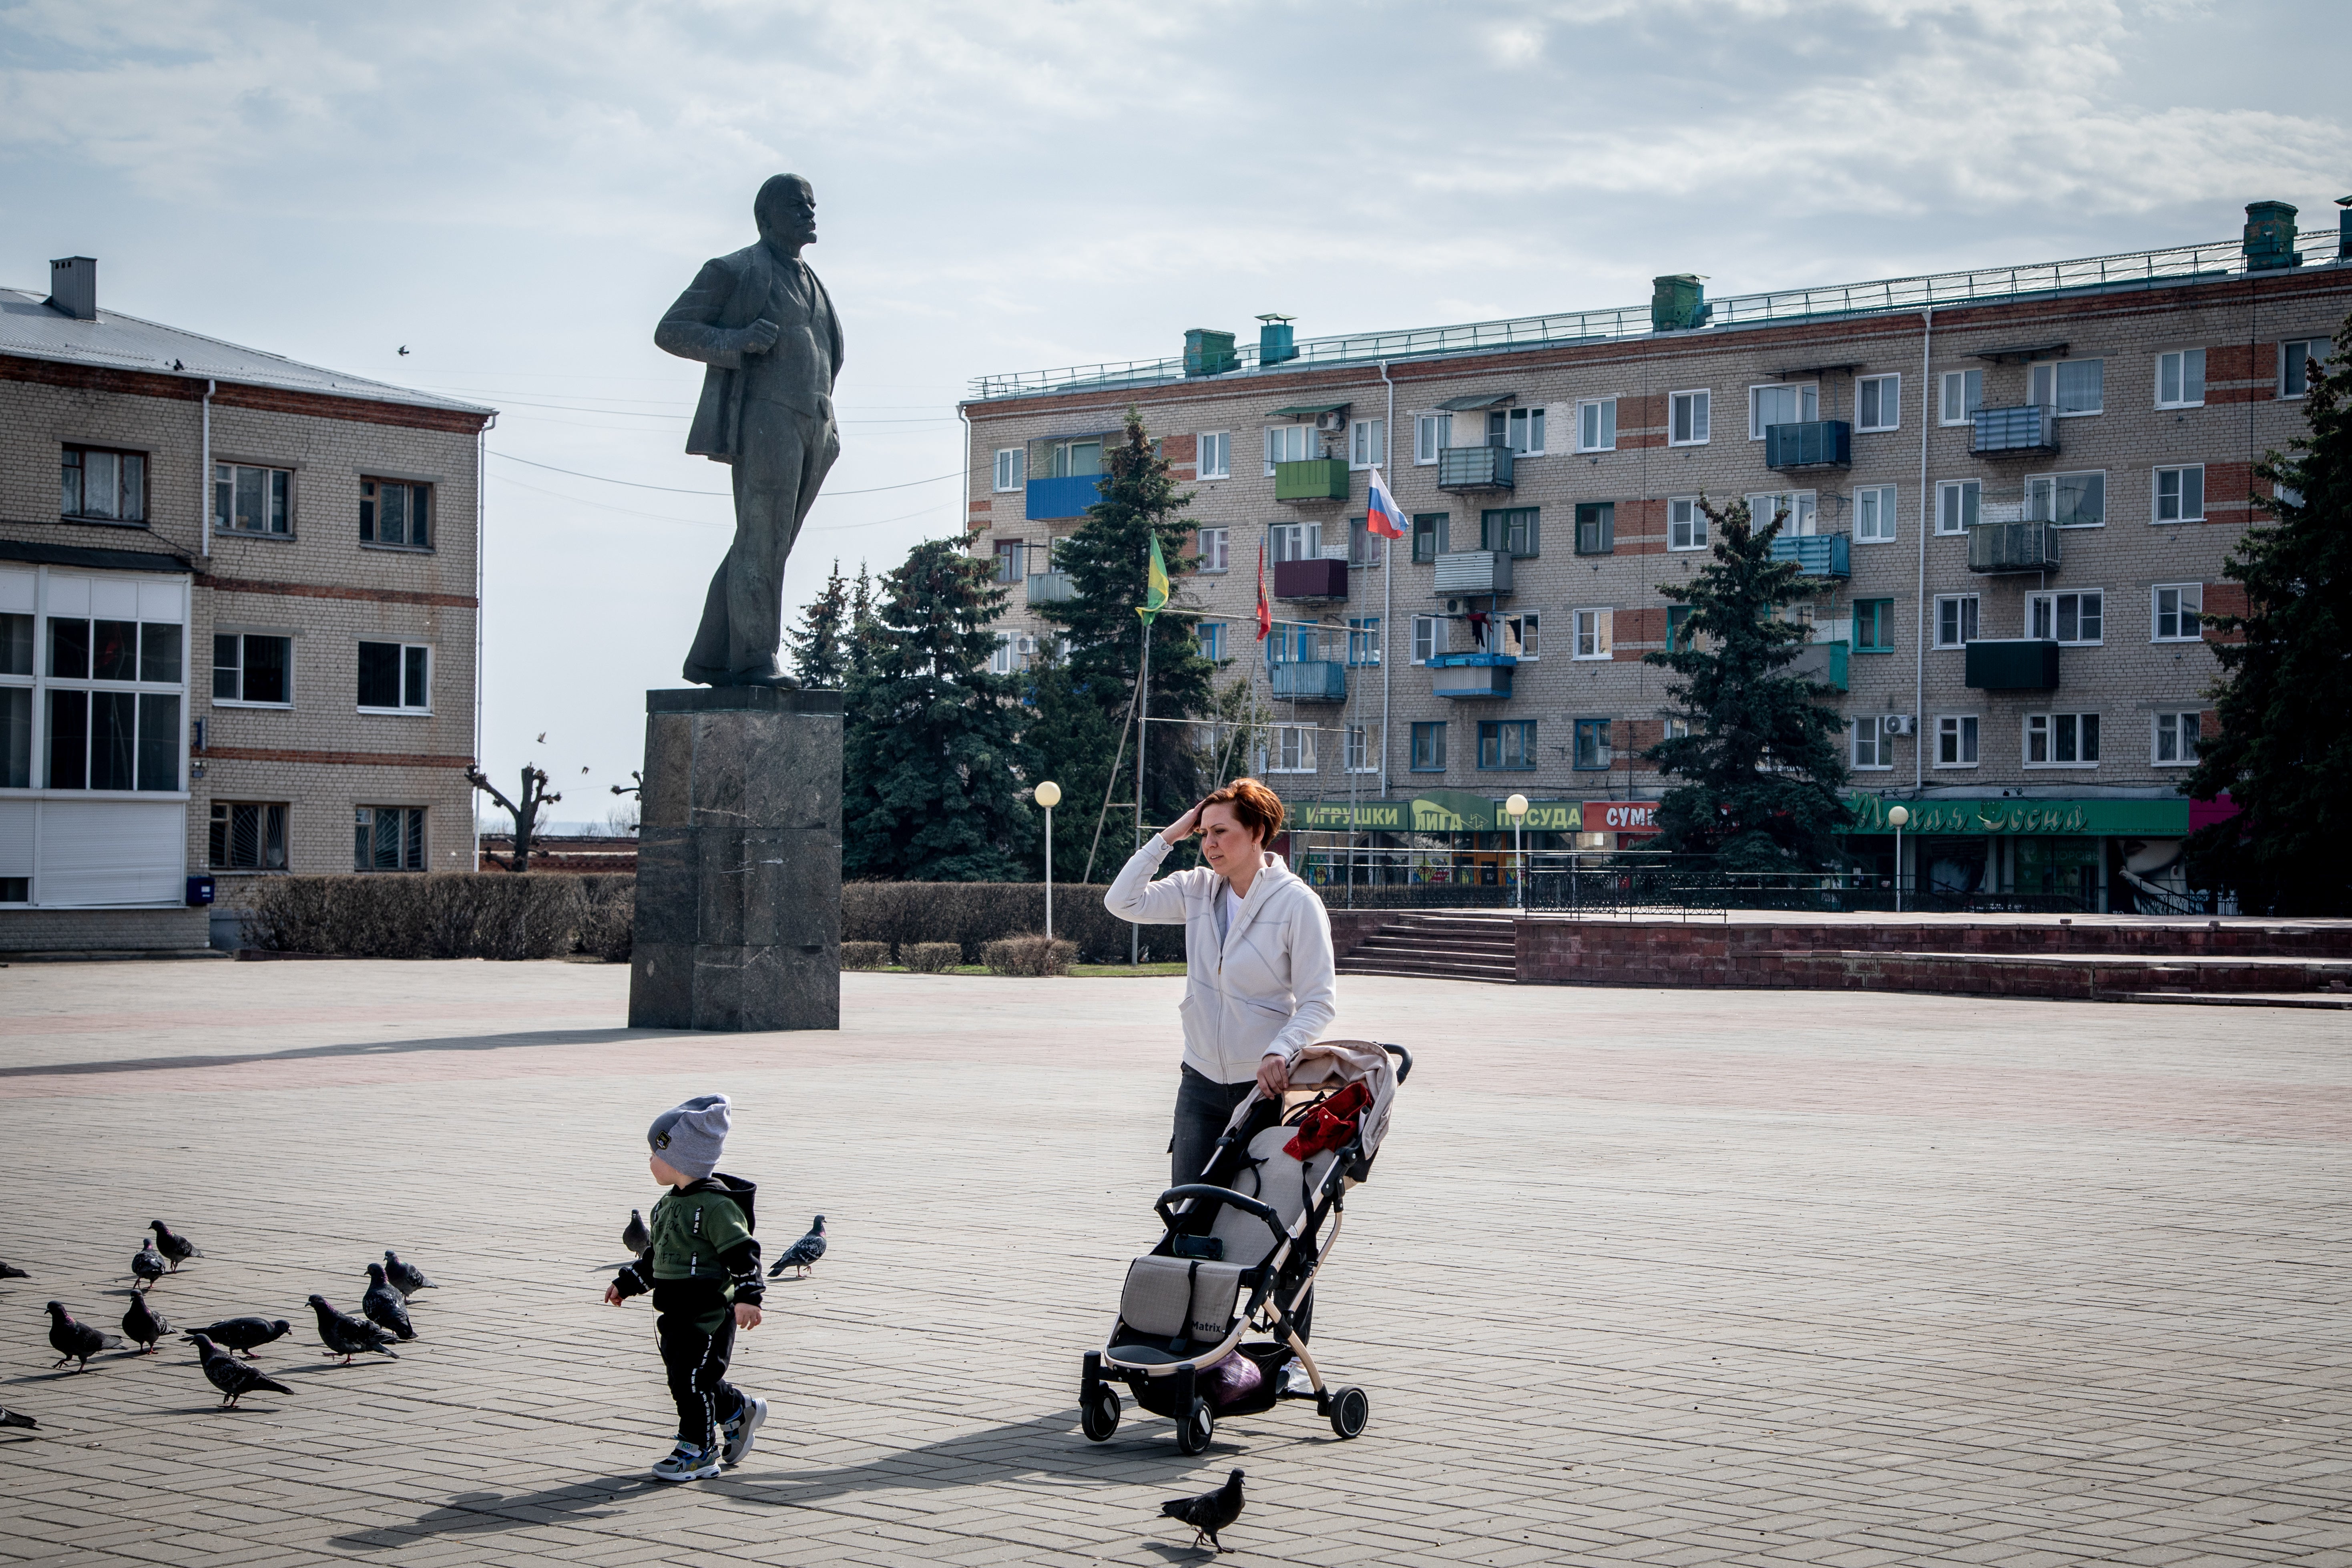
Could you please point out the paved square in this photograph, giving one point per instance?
(1644, 1277)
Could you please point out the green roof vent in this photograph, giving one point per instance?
(1208, 352)
(1678, 302)
(1274, 345)
(2270, 237)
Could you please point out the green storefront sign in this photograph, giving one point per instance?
(1434, 811)
(2088, 818)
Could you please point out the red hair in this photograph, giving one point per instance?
(1258, 808)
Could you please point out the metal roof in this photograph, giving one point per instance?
(28, 327)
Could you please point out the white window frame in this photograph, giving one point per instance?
(1965, 732)
(1428, 637)
(2048, 728)
(1889, 385)
(1307, 538)
(2188, 604)
(1969, 612)
(1955, 500)
(2180, 498)
(1291, 749)
(1809, 404)
(2054, 369)
(1878, 505)
(1518, 423)
(1870, 736)
(1525, 628)
(1357, 754)
(1683, 513)
(2315, 351)
(1280, 435)
(293, 648)
(1961, 389)
(1432, 434)
(47, 595)
(1804, 512)
(273, 479)
(2035, 613)
(1012, 469)
(2187, 369)
(1595, 634)
(1596, 424)
(1697, 400)
(1368, 444)
(1000, 657)
(1216, 551)
(1213, 457)
(2186, 724)
(404, 648)
(2052, 480)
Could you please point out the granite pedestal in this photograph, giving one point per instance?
(739, 862)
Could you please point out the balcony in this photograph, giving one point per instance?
(1824, 661)
(1067, 497)
(1475, 676)
(2012, 664)
(1815, 444)
(1821, 555)
(1473, 468)
(1311, 680)
(1314, 579)
(2013, 547)
(2028, 427)
(1050, 588)
(1317, 478)
(1474, 572)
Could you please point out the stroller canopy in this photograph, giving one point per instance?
(1332, 1065)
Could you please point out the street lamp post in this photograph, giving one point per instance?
(1898, 816)
(1517, 807)
(1049, 795)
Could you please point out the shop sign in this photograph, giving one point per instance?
(1432, 811)
(2116, 819)
(1620, 817)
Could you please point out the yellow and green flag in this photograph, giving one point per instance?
(1155, 586)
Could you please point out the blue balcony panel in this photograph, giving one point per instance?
(1816, 555)
(1062, 498)
(1311, 680)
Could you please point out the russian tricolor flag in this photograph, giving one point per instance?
(1384, 517)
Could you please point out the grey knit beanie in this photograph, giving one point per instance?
(689, 1137)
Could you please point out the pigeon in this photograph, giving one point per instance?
(142, 1325)
(802, 1254)
(10, 1271)
(406, 1277)
(243, 1334)
(14, 1418)
(385, 1307)
(230, 1375)
(347, 1336)
(1210, 1513)
(636, 1236)
(147, 1264)
(176, 1248)
(76, 1341)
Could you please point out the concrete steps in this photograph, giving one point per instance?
(1446, 947)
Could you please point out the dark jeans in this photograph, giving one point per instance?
(1203, 1108)
(696, 1326)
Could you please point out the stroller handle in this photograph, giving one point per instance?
(1240, 1200)
(1404, 1061)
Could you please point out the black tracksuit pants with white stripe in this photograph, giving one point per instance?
(696, 1326)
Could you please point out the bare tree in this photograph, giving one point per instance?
(534, 794)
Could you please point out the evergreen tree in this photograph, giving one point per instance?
(863, 626)
(820, 644)
(932, 759)
(2283, 749)
(1075, 743)
(1762, 757)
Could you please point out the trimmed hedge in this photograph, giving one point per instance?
(971, 914)
(864, 954)
(448, 914)
(1031, 954)
(931, 957)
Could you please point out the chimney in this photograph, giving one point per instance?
(1678, 302)
(2270, 237)
(73, 286)
(2344, 229)
(1273, 343)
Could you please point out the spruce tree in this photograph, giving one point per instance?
(1762, 760)
(820, 644)
(932, 758)
(2283, 745)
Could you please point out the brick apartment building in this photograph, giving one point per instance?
(238, 606)
(2013, 489)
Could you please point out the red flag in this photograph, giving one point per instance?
(1265, 612)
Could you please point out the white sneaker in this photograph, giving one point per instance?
(743, 1429)
(1297, 1384)
(688, 1463)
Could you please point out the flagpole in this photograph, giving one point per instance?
(1143, 739)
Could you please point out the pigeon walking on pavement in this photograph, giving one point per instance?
(146, 1264)
(347, 1336)
(230, 1375)
(802, 1254)
(406, 1277)
(385, 1307)
(176, 1248)
(17, 1418)
(1210, 1513)
(142, 1325)
(243, 1334)
(76, 1341)
(636, 1236)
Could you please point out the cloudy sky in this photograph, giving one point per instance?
(517, 191)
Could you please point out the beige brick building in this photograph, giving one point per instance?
(2012, 489)
(239, 602)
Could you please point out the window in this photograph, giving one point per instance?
(1368, 443)
(1365, 548)
(1963, 395)
(1677, 628)
(1428, 535)
(1873, 742)
(1287, 444)
(2070, 385)
(16, 707)
(1428, 637)
(1686, 524)
(1012, 467)
(2295, 360)
(1874, 625)
(1959, 503)
(107, 486)
(1215, 550)
(1673, 729)
(2070, 500)
(1360, 756)
(1596, 528)
(1797, 504)
(1592, 633)
(2062, 739)
(2175, 744)
(1216, 455)
(1000, 657)
(1507, 744)
(1428, 748)
(1520, 635)
(1293, 751)
(1687, 418)
(1514, 528)
(2180, 494)
(1596, 424)
(98, 734)
(1878, 403)
(1009, 552)
(248, 500)
(396, 514)
(1296, 541)
(1521, 429)
(1873, 514)
(254, 668)
(1781, 403)
(2176, 607)
(1956, 741)
(1956, 619)
(1364, 639)
(388, 838)
(1210, 636)
(1301, 642)
(1430, 432)
(396, 678)
(1593, 754)
(2180, 378)
(248, 835)
(1080, 459)
(2065, 618)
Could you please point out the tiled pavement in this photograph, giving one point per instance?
(1659, 1278)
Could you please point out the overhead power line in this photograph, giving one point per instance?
(673, 490)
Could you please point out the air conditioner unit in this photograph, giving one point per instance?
(1335, 420)
(1901, 724)
(1027, 646)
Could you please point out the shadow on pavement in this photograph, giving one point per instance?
(476, 1512)
(364, 1049)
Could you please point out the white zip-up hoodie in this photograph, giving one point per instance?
(1267, 988)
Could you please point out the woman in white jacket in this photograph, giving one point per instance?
(1257, 948)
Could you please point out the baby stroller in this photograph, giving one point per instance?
(1241, 1249)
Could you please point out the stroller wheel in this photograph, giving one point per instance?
(1100, 1419)
(1350, 1411)
(1192, 1434)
